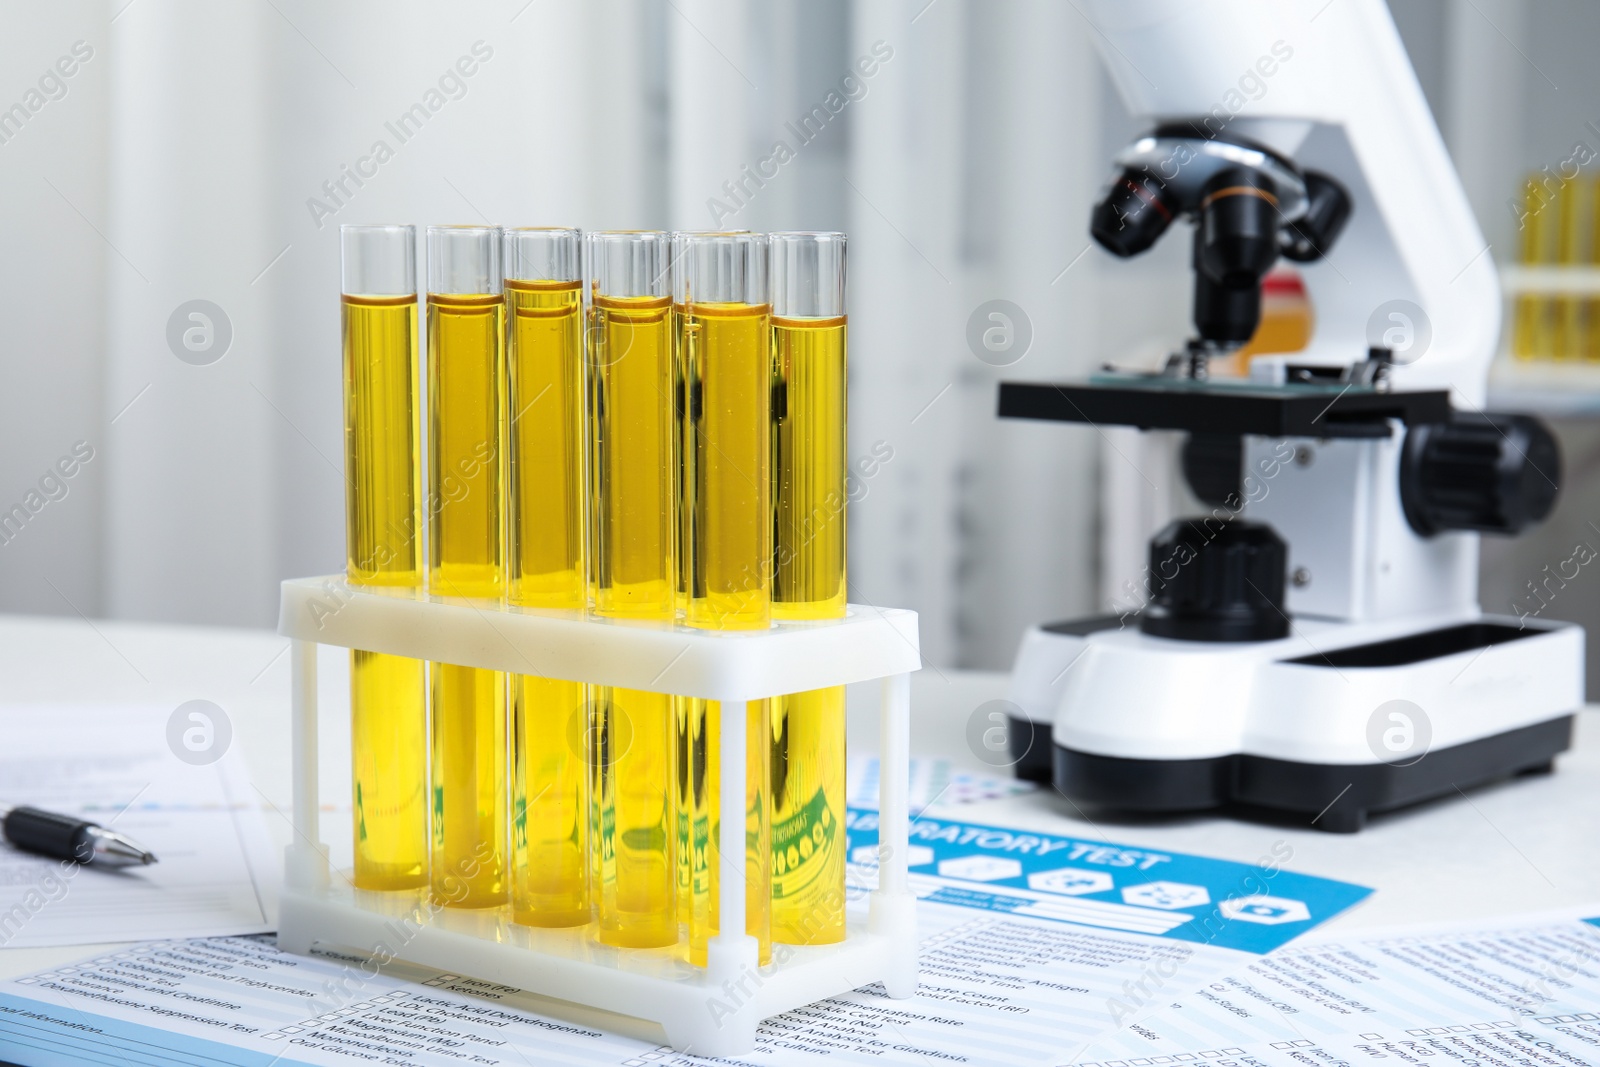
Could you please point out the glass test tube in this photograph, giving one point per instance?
(1568, 311)
(809, 496)
(546, 445)
(466, 558)
(1591, 345)
(383, 526)
(633, 458)
(725, 346)
(1532, 333)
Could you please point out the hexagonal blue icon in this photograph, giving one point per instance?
(1268, 911)
(1072, 881)
(980, 868)
(1167, 895)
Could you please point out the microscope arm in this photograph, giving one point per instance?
(1330, 86)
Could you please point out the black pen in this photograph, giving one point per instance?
(67, 837)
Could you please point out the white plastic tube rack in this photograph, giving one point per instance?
(710, 1011)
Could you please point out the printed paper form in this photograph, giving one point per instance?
(1001, 982)
(931, 781)
(113, 764)
(1514, 992)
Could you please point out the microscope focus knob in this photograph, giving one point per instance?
(1491, 473)
(1217, 580)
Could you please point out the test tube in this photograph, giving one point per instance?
(1591, 344)
(633, 456)
(1532, 332)
(724, 327)
(383, 524)
(1568, 311)
(809, 495)
(725, 347)
(545, 453)
(466, 558)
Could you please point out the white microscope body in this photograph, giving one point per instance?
(1385, 683)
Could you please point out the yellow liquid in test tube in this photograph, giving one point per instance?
(635, 829)
(689, 812)
(634, 453)
(808, 729)
(1591, 344)
(388, 729)
(726, 350)
(709, 868)
(471, 799)
(633, 458)
(550, 820)
(727, 354)
(809, 468)
(1532, 333)
(1568, 342)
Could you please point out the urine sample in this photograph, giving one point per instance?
(383, 526)
(1568, 311)
(709, 868)
(546, 485)
(633, 455)
(1591, 344)
(809, 497)
(1287, 321)
(724, 324)
(725, 350)
(466, 558)
(1532, 330)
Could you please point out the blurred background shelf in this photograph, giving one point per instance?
(1519, 280)
(1550, 387)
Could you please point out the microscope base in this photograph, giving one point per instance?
(1376, 716)
(1336, 797)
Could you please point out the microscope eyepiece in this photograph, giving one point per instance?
(1134, 213)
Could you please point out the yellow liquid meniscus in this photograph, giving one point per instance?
(383, 517)
(550, 789)
(728, 368)
(808, 730)
(470, 750)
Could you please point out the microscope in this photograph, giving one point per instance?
(1311, 644)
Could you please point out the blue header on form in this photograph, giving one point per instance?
(1251, 907)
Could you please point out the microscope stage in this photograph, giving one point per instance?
(1224, 406)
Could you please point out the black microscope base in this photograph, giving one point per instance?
(1333, 797)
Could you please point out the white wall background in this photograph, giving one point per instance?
(179, 162)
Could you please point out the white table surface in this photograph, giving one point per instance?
(1523, 845)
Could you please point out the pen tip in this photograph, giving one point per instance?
(148, 858)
